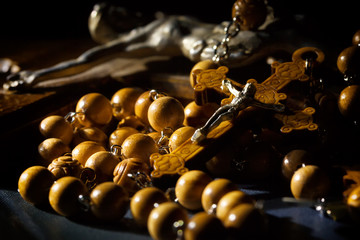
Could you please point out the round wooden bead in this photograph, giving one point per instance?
(56, 127)
(142, 106)
(103, 163)
(118, 136)
(231, 200)
(109, 201)
(65, 166)
(189, 188)
(250, 14)
(349, 60)
(161, 220)
(155, 135)
(294, 160)
(89, 134)
(64, 195)
(85, 149)
(310, 182)
(34, 184)
(356, 38)
(202, 65)
(93, 109)
(166, 112)
(139, 145)
(353, 202)
(203, 226)
(129, 166)
(144, 201)
(246, 221)
(123, 102)
(196, 116)
(214, 191)
(348, 103)
(181, 135)
(52, 148)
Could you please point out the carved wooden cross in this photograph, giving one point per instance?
(208, 83)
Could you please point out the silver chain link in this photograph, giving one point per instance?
(221, 50)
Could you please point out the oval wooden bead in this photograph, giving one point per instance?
(246, 221)
(348, 103)
(123, 102)
(118, 136)
(129, 166)
(144, 201)
(56, 127)
(103, 163)
(34, 184)
(353, 202)
(181, 135)
(196, 116)
(51, 148)
(161, 220)
(348, 60)
(231, 200)
(93, 109)
(109, 201)
(214, 191)
(293, 160)
(89, 134)
(85, 149)
(310, 182)
(64, 195)
(250, 14)
(203, 226)
(356, 38)
(139, 145)
(166, 112)
(189, 188)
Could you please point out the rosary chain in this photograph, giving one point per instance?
(221, 50)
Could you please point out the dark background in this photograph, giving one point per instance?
(328, 20)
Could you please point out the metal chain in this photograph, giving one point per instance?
(221, 50)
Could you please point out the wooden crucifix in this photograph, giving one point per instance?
(237, 111)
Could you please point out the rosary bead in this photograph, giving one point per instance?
(161, 221)
(166, 112)
(93, 109)
(52, 148)
(123, 102)
(103, 163)
(118, 136)
(109, 201)
(85, 149)
(155, 135)
(348, 60)
(144, 201)
(181, 135)
(129, 166)
(293, 161)
(215, 190)
(64, 195)
(203, 226)
(89, 134)
(196, 116)
(310, 182)
(353, 202)
(349, 101)
(142, 105)
(247, 221)
(356, 38)
(229, 201)
(65, 166)
(189, 188)
(56, 127)
(139, 145)
(34, 184)
(250, 14)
